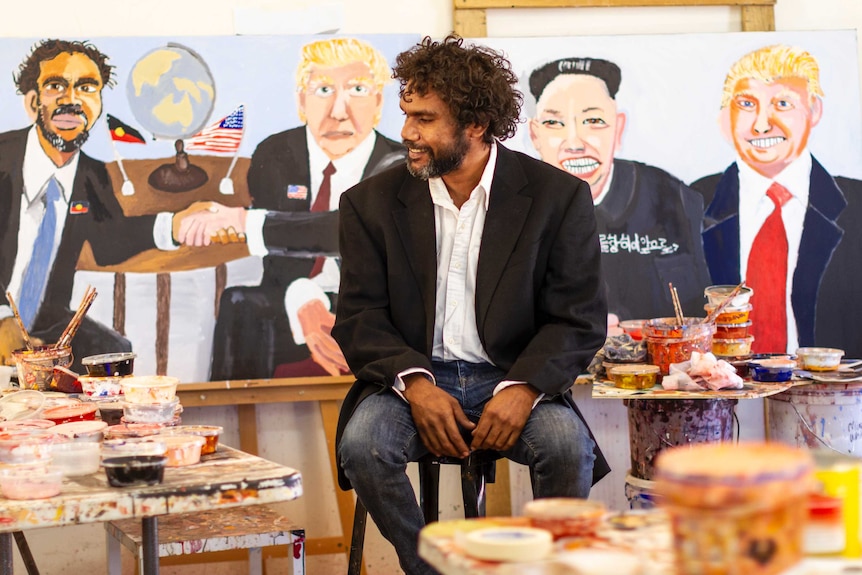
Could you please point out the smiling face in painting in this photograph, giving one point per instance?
(577, 128)
(769, 122)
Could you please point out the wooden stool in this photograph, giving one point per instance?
(249, 528)
(476, 471)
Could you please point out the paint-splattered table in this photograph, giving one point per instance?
(227, 478)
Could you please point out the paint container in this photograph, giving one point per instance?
(731, 315)
(110, 364)
(26, 425)
(818, 415)
(101, 386)
(76, 458)
(819, 358)
(36, 366)
(634, 328)
(633, 376)
(162, 412)
(658, 424)
(26, 446)
(30, 484)
(834, 526)
(669, 342)
(731, 331)
(210, 433)
(22, 404)
(182, 450)
(736, 508)
(127, 430)
(135, 470)
(640, 493)
(772, 370)
(68, 413)
(718, 293)
(149, 388)
(65, 380)
(81, 431)
(110, 409)
(732, 347)
(132, 446)
(565, 517)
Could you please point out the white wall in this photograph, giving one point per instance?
(294, 434)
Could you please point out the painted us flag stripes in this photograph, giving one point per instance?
(223, 136)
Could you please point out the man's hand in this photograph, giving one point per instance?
(10, 340)
(205, 222)
(316, 322)
(504, 418)
(437, 416)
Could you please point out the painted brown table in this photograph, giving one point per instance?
(227, 478)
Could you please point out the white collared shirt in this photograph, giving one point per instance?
(607, 187)
(38, 169)
(755, 206)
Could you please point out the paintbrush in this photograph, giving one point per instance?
(18, 320)
(71, 329)
(677, 308)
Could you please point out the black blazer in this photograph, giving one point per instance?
(113, 236)
(540, 305)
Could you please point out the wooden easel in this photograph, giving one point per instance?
(469, 20)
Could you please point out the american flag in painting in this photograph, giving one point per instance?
(222, 136)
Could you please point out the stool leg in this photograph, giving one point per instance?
(429, 490)
(115, 558)
(357, 539)
(297, 551)
(26, 556)
(473, 479)
(255, 561)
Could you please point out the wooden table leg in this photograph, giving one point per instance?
(150, 545)
(6, 561)
(163, 321)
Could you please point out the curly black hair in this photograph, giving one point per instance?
(475, 82)
(28, 72)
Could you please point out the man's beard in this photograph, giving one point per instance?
(442, 162)
(55, 139)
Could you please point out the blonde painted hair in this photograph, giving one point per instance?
(772, 63)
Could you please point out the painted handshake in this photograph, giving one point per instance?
(205, 223)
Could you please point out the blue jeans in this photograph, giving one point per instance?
(381, 438)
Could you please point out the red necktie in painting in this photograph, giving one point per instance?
(767, 276)
(321, 204)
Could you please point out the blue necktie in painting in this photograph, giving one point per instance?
(321, 204)
(36, 275)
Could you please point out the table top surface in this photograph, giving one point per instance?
(227, 478)
(645, 535)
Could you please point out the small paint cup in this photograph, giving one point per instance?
(110, 364)
(36, 366)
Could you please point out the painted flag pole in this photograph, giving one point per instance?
(119, 131)
(223, 136)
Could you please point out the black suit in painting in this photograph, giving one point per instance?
(252, 335)
(827, 282)
(112, 236)
(649, 229)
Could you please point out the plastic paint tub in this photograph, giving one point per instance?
(731, 315)
(30, 484)
(24, 446)
(771, 370)
(76, 458)
(150, 412)
(26, 424)
(182, 449)
(732, 347)
(565, 517)
(731, 330)
(718, 293)
(83, 431)
(819, 358)
(36, 366)
(99, 386)
(150, 388)
(21, 404)
(658, 424)
(110, 364)
(736, 508)
(135, 470)
(110, 409)
(634, 328)
(127, 430)
(66, 413)
(669, 342)
(132, 446)
(634, 376)
(210, 433)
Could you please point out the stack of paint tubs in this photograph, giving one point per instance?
(151, 399)
(732, 340)
(101, 385)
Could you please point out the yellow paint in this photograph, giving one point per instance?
(842, 481)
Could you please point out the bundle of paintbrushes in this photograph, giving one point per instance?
(71, 329)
